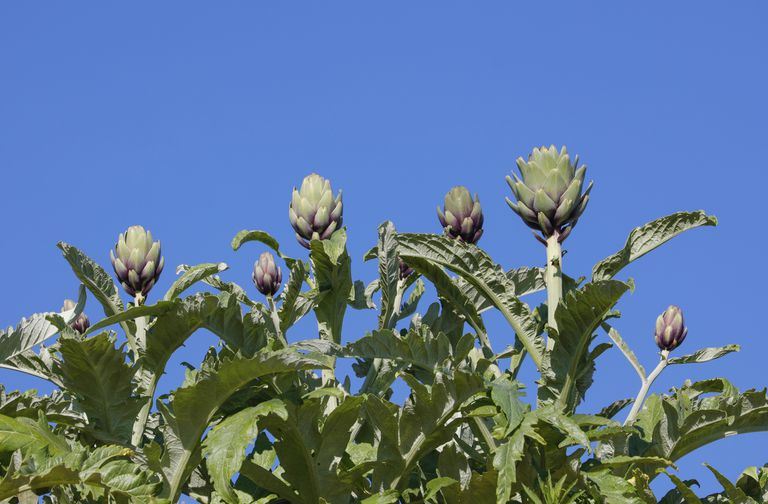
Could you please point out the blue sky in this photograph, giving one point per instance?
(196, 119)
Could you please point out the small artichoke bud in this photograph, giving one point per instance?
(670, 328)
(267, 275)
(405, 270)
(314, 213)
(137, 261)
(462, 218)
(549, 196)
(81, 323)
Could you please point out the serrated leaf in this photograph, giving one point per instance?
(332, 267)
(246, 235)
(389, 274)
(293, 305)
(191, 275)
(649, 236)
(705, 355)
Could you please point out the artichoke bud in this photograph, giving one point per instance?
(81, 323)
(137, 261)
(462, 217)
(405, 270)
(670, 329)
(548, 193)
(314, 213)
(267, 275)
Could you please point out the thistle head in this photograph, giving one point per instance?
(461, 217)
(314, 212)
(137, 261)
(670, 329)
(81, 323)
(267, 275)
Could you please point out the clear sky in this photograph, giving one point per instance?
(195, 119)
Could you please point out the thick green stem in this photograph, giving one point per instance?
(146, 379)
(640, 399)
(554, 281)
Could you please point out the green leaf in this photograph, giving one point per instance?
(613, 489)
(96, 280)
(132, 313)
(509, 453)
(191, 275)
(705, 354)
(294, 305)
(567, 369)
(476, 268)
(245, 236)
(96, 373)
(733, 493)
(685, 491)
(389, 274)
(524, 280)
(646, 238)
(225, 444)
(27, 334)
(614, 408)
(195, 404)
(29, 436)
(628, 353)
(333, 274)
(506, 394)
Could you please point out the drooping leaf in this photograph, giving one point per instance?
(333, 274)
(389, 274)
(245, 236)
(705, 354)
(649, 236)
(293, 305)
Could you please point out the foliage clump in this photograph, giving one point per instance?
(264, 417)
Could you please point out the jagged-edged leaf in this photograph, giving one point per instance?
(224, 446)
(132, 313)
(29, 436)
(613, 489)
(427, 420)
(96, 280)
(567, 369)
(293, 304)
(689, 497)
(509, 453)
(408, 308)
(97, 374)
(705, 354)
(56, 406)
(195, 404)
(731, 491)
(190, 275)
(506, 394)
(107, 467)
(475, 267)
(389, 274)
(524, 280)
(614, 408)
(245, 236)
(419, 347)
(34, 330)
(361, 296)
(333, 274)
(649, 236)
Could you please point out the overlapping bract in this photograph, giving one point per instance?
(462, 218)
(137, 261)
(670, 328)
(267, 276)
(314, 213)
(549, 195)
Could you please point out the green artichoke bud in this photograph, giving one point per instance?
(137, 261)
(267, 275)
(463, 217)
(670, 328)
(81, 323)
(314, 213)
(549, 196)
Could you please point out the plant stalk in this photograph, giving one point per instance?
(646, 386)
(554, 281)
(146, 380)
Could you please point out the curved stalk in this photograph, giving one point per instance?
(640, 399)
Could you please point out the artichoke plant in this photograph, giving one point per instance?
(81, 323)
(670, 329)
(549, 195)
(405, 270)
(462, 218)
(137, 261)
(267, 276)
(314, 213)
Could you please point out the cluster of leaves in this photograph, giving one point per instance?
(261, 420)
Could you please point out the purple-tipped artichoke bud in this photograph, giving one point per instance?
(670, 329)
(549, 194)
(314, 213)
(405, 270)
(267, 275)
(462, 218)
(81, 323)
(137, 261)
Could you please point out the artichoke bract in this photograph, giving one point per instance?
(670, 329)
(405, 270)
(81, 323)
(137, 261)
(314, 213)
(549, 195)
(462, 218)
(267, 276)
